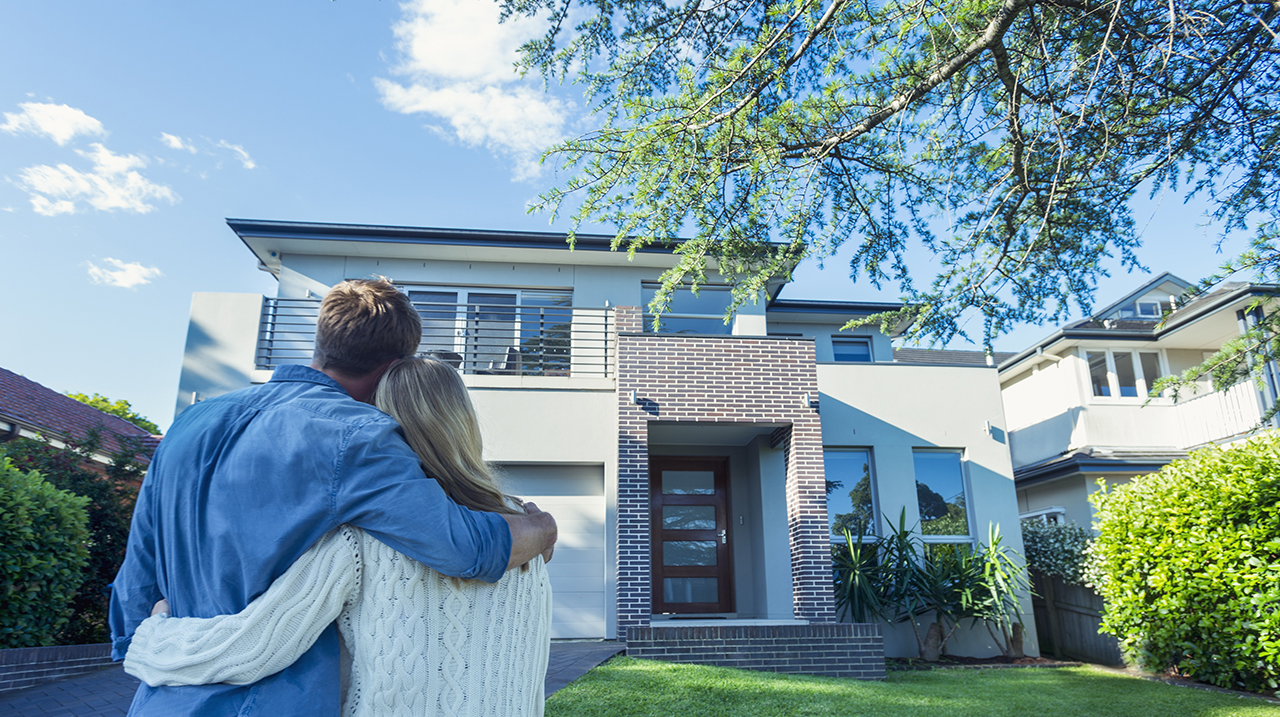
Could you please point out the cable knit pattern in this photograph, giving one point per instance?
(420, 643)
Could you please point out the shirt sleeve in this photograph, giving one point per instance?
(135, 589)
(381, 488)
(264, 638)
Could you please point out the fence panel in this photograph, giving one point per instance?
(1067, 621)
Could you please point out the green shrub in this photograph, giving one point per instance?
(43, 532)
(1188, 561)
(1056, 549)
(111, 495)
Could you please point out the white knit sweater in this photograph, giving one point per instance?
(420, 643)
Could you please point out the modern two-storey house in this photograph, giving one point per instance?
(689, 465)
(1078, 402)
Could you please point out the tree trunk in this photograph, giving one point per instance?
(931, 648)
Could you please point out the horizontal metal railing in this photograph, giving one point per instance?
(482, 339)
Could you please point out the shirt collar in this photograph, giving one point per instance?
(304, 374)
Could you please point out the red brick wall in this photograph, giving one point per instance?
(720, 379)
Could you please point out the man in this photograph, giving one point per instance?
(244, 483)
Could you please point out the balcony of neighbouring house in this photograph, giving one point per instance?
(479, 339)
(1219, 416)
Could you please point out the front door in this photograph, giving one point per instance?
(692, 562)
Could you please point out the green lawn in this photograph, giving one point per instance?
(641, 688)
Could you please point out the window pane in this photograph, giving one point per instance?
(690, 590)
(851, 350)
(709, 300)
(546, 321)
(688, 552)
(688, 517)
(850, 501)
(688, 482)
(1150, 368)
(1098, 373)
(1125, 375)
(439, 312)
(940, 492)
(683, 325)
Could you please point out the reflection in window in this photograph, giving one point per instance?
(1125, 376)
(940, 492)
(850, 492)
(689, 313)
(850, 350)
(1098, 373)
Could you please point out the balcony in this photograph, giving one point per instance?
(479, 339)
(1218, 415)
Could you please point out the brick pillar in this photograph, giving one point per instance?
(634, 573)
(813, 594)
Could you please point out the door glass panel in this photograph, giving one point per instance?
(1125, 375)
(1098, 373)
(688, 482)
(439, 312)
(688, 552)
(688, 517)
(676, 590)
(491, 332)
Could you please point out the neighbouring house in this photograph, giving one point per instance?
(688, 466)
(29, 410)
(1077, 402)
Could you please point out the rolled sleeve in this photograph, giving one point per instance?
(381, 488)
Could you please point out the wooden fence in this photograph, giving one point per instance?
(1067, 620)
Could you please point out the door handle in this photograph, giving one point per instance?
(724, 536)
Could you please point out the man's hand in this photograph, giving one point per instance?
(532, 534)
(161, 607)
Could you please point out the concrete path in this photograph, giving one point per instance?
(108, 692)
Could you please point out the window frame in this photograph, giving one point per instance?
(1141, 384)
(850, 340)
(874, 531)
(965, 484)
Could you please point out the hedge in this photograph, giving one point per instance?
(1188, 562)
(43, 532)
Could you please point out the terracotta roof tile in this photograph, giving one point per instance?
(26, 402)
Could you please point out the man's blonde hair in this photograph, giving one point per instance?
(430, 402)
(363, 324)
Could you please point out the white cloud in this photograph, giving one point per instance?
(113, 184)
(125, 276)
(458, 64)
(175, 142)
(57, 122)
(245, 160)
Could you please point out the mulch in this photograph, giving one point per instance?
(900, 664)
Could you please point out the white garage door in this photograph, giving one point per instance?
(575, 496)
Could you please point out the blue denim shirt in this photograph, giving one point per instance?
(241, 486)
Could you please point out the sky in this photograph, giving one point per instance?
(130, 131)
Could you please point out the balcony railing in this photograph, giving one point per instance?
(480, 339)
(1219, 415)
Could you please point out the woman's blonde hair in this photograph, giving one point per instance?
(430, 402)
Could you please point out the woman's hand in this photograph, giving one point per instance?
(161, 607)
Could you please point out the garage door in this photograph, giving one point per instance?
(575, 496)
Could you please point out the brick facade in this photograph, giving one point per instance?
(719, 379)
(27, 666)
(829, 649)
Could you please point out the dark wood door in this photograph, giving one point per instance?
(692, 556)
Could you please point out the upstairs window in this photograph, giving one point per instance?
(689, 313)
(1123, 374)
(848, 349)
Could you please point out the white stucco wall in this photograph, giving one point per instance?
(896, 408)
(222, 338)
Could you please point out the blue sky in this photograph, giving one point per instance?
(130, 130)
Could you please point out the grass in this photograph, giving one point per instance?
(640, 688)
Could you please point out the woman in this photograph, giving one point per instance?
(415, 642)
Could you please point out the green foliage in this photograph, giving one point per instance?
(42, 555)
(110, 497)
(900, 578)
(1003, 137)
(119, 408)
(1188, 561)
(1057, 549)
